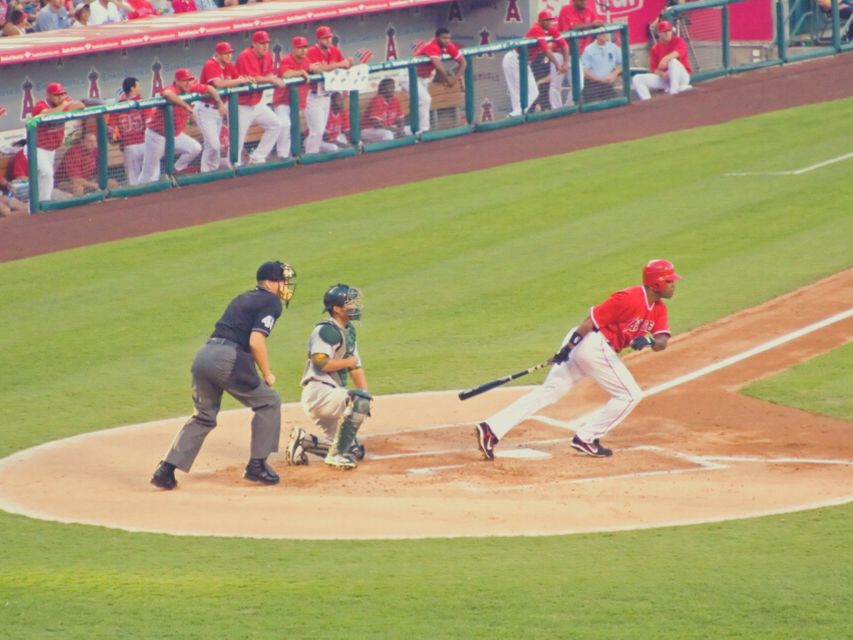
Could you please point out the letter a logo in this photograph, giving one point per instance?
(513, 13)
(455, 14)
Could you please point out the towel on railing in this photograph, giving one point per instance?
(352, 79)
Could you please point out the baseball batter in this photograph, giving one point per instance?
(293, 65)
(434, 49)
(669, 63)
(229, 362)
(323, 56)
(50, 137)
(255, 62)
(220, 73)
(332, 359)
(626, 318)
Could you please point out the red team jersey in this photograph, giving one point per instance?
(213, 70)
(282, 95)
(20, 166)
(249, 64)
(323, 56)
(571, 18)
(627, 314)
(48, 136)
(388, 111)
(535, 51)
(155, 120)
(130, 125)
(78, 162)
(661, 50)
(337, 124)
(434, 50)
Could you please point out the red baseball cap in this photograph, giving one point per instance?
(55, 89)
(183, 74)
(545, 15)
(260, 37)
(324, 32)
(224, 47)
(299, 41)
(664, 25)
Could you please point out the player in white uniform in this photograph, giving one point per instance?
(333, 358)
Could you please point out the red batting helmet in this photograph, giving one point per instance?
(657, 272)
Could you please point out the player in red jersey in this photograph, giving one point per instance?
(577, 16)
(293, 65)
(255, 62)
(129, 131)
(434, 49)
(49, 137)
(323, 56)
(384, 119)
(669, 63)
(186, 148)
(220, 73)
(337, 131)
(626, 318)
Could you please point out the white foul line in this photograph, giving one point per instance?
(795, 172)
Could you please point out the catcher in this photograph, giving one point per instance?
(332, 359)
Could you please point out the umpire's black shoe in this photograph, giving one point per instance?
(594, 448)
(258, 471)
(164, 476)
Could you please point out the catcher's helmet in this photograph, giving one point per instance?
(343, 295)
(657, 272)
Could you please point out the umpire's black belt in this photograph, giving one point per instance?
(227, 343)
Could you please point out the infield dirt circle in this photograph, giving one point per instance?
(694, 451)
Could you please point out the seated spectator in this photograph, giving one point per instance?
(601, 64)
(183, 6)
(383, 118)
(337, 126)
(17, 24)
(669, 64)
(162, 7)
(9, 204)
(108, 11)
(205, 5)
(141, 9)
(82, 15)
(52, 16)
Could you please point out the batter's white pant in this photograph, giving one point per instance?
(555, 88)
(209, 122)
(264, 117)
(45, 159)
(134, 155)
(316, 116)
(424, 104)
(592, 358)
(324, 405)
(511, 73)
(186, 150)
(282, 145)
(677, 80)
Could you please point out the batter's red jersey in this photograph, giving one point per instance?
(661, 50)
(156, 121)
(433, 50)
(627, 314)
(337, 124)
(49, 136)
(570, 18)
(249, 64)
(388, 111)
(317, 54)
(538, 50)
(282, 95)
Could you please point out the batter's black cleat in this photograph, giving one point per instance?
(486, 440)
(594, 448)
(164, 476)
(259, 471)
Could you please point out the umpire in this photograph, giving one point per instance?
(226, 362)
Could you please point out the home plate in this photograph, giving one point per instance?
(526, 454)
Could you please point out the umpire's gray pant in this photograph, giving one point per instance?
(222, 367)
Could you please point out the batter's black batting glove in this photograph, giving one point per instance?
(641, 342)
(562, 355)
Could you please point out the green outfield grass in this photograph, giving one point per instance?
(465, 278)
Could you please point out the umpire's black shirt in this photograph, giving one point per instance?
(255, 310)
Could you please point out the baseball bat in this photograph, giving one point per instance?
(488, 386)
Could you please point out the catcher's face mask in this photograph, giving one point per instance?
(285, 291)
(353, 304)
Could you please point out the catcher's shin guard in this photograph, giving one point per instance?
(358, 408)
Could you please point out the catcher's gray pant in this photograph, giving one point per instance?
(220, 366)
(324, 405)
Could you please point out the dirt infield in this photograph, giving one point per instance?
(694, 452)
(710, 103)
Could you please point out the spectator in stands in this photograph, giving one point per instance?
(186, 148)
(9, 204)
(338, 125)
(383, 118)
(183, 6)
(17, 24)
(221, 73)
(140, 9)
(293, 65)
(82, 15)
(255, 62)
(205, 5)
(669, 64)
(434, 49)
(49, 137)
(108, 11)
(601, 64)
(52, 16)
(129, 132)
(162, 7)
